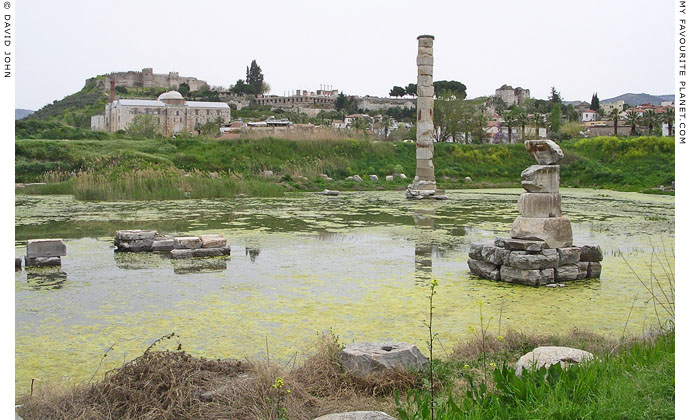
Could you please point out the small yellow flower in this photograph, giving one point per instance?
(287, 391)
(500, 337)
(492, 364)
(466, 366)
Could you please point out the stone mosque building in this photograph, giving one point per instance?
(174, 114)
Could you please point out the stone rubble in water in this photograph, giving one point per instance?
(134, 240)
(43, 253)
(424, 183)
(540, 249)
(181, 247)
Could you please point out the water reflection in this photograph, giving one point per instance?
(423, 244)
(200, 265)
(137, 260)
(252, 252)
(48, 278)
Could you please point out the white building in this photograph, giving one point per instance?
(589, 115)
(172, 113)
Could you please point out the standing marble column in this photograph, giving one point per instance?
(424, 184)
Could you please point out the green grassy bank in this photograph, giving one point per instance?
(115, 169)
(633, 379)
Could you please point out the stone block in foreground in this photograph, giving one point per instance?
(363, 359)
(45, 248)
(357, 415)
(547, 356)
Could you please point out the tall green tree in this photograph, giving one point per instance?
(555, 119)
(634, 119)
(539, 121)
(669, 117)
(650, 120)
(451, 88)
(255, 78)
(144, 126)
(183, 89)
(555, 97)
(411, 89)
(522, 119)
(615, 115)
(510, 122)
(595, 102)
(478, 122)
(397, 91)
(340, 101)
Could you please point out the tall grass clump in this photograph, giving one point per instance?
(157, 184)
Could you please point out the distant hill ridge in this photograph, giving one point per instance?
(635, 99)
(22, 113)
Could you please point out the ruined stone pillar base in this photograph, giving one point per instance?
(420, 189)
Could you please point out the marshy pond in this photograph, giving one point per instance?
(357, 264)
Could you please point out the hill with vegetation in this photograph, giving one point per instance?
(75, 109)
(111, 168)
(635, 99)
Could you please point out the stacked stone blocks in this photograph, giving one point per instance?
(540, 249)
(424, 183)
(181, 247)
(44, 253)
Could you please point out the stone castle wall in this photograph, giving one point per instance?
(382, 104)
(147, 78)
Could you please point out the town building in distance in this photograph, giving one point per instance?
(173, 114)
(512, 96)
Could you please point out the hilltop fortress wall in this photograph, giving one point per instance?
(147, 78)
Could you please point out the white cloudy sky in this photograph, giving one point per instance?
(359, 47)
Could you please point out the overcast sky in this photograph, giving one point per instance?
(359, 47)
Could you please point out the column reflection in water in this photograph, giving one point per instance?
(423, 244)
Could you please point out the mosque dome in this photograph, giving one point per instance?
(171, 95)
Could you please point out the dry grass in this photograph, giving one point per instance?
(513, 344)
(175, 385)
(169, 385)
